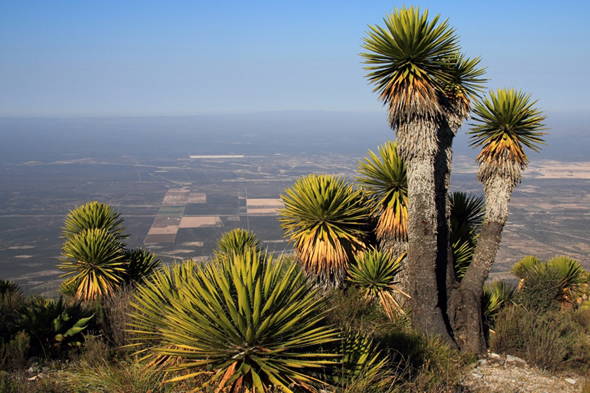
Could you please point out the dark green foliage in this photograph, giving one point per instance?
(362, 368)
(54, 325)
(496, 296)
(14, 351)
(139, 265)
(467, 212)
(11, 305)
(550, 340)
(541, 291)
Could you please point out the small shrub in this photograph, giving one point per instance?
(13, 353)
(111, 377)
(54, 326)
(552, 340)
(350, 311)
(20, 383)
(115, 317)
(541, 290)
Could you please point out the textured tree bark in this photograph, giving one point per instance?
(396, 248)
(427, 313)
(445, 266)
(465, 308)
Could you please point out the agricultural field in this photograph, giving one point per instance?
(179, 207)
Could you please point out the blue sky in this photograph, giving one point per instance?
(78, 58)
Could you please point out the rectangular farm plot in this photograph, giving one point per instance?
(215, 204)
(200, 221)
(171, 211)
(176, 196)
(264, 206)
(152, 239)
(197, 197)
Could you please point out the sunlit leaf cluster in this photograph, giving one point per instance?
(241, 323)
(327, 221)
(383, 176)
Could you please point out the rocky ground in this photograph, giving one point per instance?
(510, 374)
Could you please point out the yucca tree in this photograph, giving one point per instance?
(243, 323)
(139, 265)
(94, 215)
(326, 219)
(504, 124)
(237, 241)
(413, 62)
(384, 179)
(94, 263)
(465, 84)
(375, 273)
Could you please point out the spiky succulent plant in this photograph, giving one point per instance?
(237, 241)
(93, 215)
(93, 262)
(496, 296)
(375, 272)
(404, 59)
(139, 265)
(241, 323)
(504, 123)
(383, 175)
(467, 212)
(326, 219)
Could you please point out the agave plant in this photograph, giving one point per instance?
(93, 262)
(93, 215)
(139, 265)
(375, 273)
(243, 323)
(237, 241)
(361, 363)
(149, 308)
(384, 177)
(326, 219)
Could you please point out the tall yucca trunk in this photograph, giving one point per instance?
(396, 248)
(465, 303)
(418, 143)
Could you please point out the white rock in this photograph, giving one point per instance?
(571, 381)
(493, 355)
(514, 359)
(482, 362)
